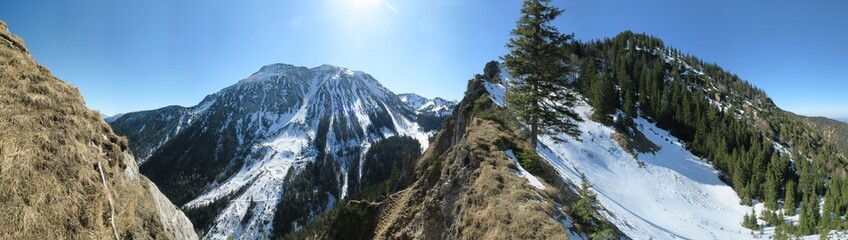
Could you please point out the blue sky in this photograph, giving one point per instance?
(137, 55)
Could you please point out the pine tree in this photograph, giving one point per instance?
(628, 101)
(806, 181)
(644, 86)
(587, 204)
(541, 98)
(789, 200)
(588, 74)
(603, 98)
(809, 215)
(841, 194)
(832, 201)
(771, 217)
(774, 177)
(750, 220)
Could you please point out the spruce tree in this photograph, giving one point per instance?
(587, 204)
(603, 98)
(625, 84)
(832, 201)
(789, 200)
(587, 76)
(750, 220)
(536, 60)
(774, 178)
(809, 215)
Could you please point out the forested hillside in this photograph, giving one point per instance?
(765, 153)
(831, 130)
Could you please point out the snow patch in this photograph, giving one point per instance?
(524, 173)
(497, 92)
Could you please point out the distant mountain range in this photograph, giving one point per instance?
(430, 112)
(421, 105)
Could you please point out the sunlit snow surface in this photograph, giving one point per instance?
(497, 92)
(675, 195)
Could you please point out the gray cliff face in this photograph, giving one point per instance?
(175, 221)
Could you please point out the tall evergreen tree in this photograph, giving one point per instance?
(536, 60)
(588, 72)
(789, 203)
(832, 209)
(774, 178)
(602, 97)
(587, 204)
(809, 215)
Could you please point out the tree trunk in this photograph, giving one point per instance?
(534, 133)
(535, 111)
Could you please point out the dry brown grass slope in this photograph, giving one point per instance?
(63, 172)
(467, 187)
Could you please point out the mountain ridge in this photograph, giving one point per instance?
(260, 131)
(476, 181)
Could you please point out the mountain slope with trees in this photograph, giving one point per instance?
(230, 160)
(833, 131)
(758, 148)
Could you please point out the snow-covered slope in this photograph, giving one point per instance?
(413, 100)
(673, 194)
(667, 194)
(248, 137)
(110, 119)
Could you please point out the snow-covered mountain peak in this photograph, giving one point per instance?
(422, 105)
(413, 100)
(440, 101)
(278, 67)
(330, 67)
(240, 143)
(275, 73)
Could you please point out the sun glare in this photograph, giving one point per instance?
(367, 3)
